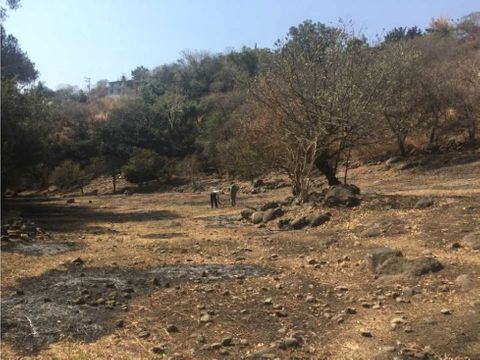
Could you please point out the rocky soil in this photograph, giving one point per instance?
(394, 274)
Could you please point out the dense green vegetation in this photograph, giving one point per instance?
(304, 106)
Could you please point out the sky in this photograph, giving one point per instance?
(69, 40)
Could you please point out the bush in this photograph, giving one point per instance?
(68, 175)
(144, 165)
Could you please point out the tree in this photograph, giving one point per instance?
(402, 33)
(313, 99)
(16, 65)
(68, 175)
(140, 74)
(398, 71)
(144, 165)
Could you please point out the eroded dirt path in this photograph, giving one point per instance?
(235, 290)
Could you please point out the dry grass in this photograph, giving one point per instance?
(124, 226)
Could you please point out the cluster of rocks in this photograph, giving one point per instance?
(19, 230)
(303, 221)
(386, 261)
(260, 186)
(268, 212)
(469, 241)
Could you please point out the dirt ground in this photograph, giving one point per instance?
(161, 275)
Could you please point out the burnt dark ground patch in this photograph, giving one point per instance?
(83, 303)
(40, 248)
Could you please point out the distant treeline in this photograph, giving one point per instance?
(321, 94)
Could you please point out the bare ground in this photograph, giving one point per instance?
(160, 259)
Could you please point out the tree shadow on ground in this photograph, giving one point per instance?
(64, 217)
(86, 303)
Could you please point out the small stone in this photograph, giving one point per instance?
(365, 333)
(227, 341)
(120, 324)
(201, 339)
(143, 334)
(205, 318)
(310, 299)
(159, 349)
(172, 328)
(288, 343)
(19, 292)
(216, 345)
(244, 342)
(408, 329)
(281, 313)
(446, 311)
(267, 301)
(79, 301)
(77, 261)
(351, 310)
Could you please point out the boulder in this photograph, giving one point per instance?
(472, 240)
(385, 261)
(299, 222)
(393, 160)
(70, 201)
(269, 205)
(272, 214)
(258, 183)
(380, 255)
(247, 213)
(424, 202)
(257, 217)
(317, 220)
(341, 195)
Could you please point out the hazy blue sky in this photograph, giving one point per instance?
(103, 39)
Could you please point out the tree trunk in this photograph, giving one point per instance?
(114, 183)
(432, 139)
(346, 166)
(323, 165)
(401, 145)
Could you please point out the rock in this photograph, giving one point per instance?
(398, 321)
(341, 195)
(272, 214)
(77, 261)
(267, 301)
(299, 223)
(143, 334)
(120, 324)
(365, 333)
(79, 301)
(424, 202)
(464, 282)
(258, 183)
(262, 354)
(205, 318)
(227, 341)
(379, 255)
(385, 261)
(446, 311)
(472, 240)
(270, 205)
(408, 329)
(317, 220)
(393, 160)
(350, 310)
(172, 328)
(70, 201)
(289, 342)
(371, 232)
(127, 192)
(310, 299)
(159, 349)
(247, 213)
(416, 267)
(283, 224)
(216, 345)
(257, 217)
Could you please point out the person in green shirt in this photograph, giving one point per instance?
(233, 193)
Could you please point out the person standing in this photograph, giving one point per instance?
(233, 193)
(214, 198)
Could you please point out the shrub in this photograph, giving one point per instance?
(144, 165)
(68, 175)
